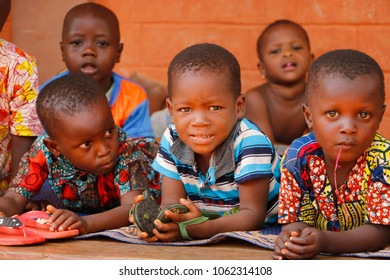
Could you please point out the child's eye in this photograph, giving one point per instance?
(110, 132)
(215, 108)
(102, 44)
(297, 48)
(76, 43)
(364, 115)
(85, 145)
(184, 110)
(274, 51)
(332, 114)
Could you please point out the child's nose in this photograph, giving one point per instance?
(199, 119)
(89, 49)
(348, 126)
(287, 52)
(104, 150)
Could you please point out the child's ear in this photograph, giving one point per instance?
(118, 55)
(62, 51)
(170, 108)
(307, 114)
(52, 146)
(240, 106)
(260, 66)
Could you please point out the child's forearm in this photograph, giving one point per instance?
(365, 238)
(240, 221)
(114, 218)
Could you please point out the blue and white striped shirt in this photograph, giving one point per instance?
(245, 155)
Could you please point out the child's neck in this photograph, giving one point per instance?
(292, 92)
(203, 162)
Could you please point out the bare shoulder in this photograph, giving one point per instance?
(256, 94)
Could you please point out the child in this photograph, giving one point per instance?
(91, 45)
(284, 59)
(335, 190)
(90, 163)
(19, 123)
(211, 159)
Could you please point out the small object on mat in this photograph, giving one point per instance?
(147, 211)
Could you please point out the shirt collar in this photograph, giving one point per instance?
(223, 156)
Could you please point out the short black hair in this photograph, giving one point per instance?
(210, 57)
(277, 23)
(345, 62)
(95, 9)
(67, 95)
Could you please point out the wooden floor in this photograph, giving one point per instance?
(107, 248)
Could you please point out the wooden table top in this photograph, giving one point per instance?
(107, 248)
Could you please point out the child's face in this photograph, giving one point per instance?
(345, 113)
(89, 139)
(285, 55)
(204, 110)
(91, 45)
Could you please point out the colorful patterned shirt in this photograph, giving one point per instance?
(307, 196)
(18, 93)
(83, 191)
(246, 154)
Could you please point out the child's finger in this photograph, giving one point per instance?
(138, 198)
(51, 209)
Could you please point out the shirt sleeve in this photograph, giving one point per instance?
(32, 173)
(289, 198)
(254, 155)
(378, 195)
(23, 82)
(164, 162)
(134, 169)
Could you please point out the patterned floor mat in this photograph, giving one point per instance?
(264, 238)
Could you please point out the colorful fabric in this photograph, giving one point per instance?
(129, 105)
(247, 154)
(82, 191)
(307, 196)
(18, 93)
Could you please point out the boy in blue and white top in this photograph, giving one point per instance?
(211, 159)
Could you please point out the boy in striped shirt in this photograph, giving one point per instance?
(212, 160)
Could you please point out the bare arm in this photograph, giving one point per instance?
(253, 202)
(114, 218)
(12, 203)
(19, 146)
(256, 110)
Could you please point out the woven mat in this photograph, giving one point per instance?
(263, 238)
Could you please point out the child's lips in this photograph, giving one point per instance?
(202, 139)
(290, 65)
(88, 69)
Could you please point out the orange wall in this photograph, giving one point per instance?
(153, 31)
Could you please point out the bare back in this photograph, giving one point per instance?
(279, 116)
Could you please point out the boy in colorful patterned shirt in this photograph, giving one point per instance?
(19, 122)
(335, 187)
(212, 159)
(91, 45)
(91, 164)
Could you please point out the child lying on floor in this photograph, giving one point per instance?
(335, 187)
(212, 159)
(91, 164)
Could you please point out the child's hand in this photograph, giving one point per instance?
(62, 219)
(280, 249)
(169, 232)
(305, 246)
